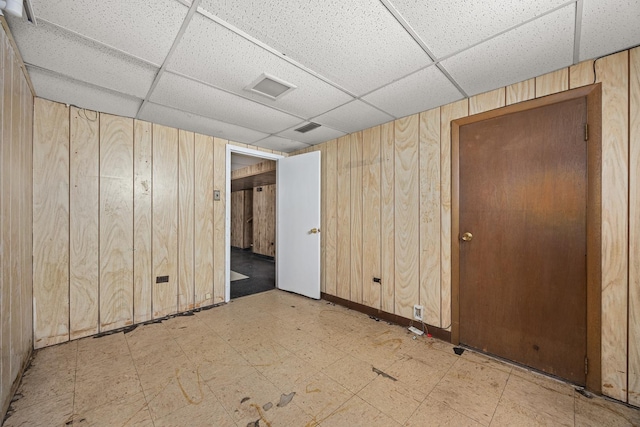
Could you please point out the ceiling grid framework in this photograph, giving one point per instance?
(354, 64)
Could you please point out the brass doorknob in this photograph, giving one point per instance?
(314, 231)
(467, 237)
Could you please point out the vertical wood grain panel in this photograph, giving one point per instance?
(551, 83)
(522, 91)
(407, 209)
(83, 210)
(237, 218)
(116, 222)
(634, 230)
(487, 101)
(50, 222)
(142, 221)
(28, 194)
(356, 217)
(430, 215)
(371, 228)
(448, 113)
(204, 220)
(387, 215)
(5, 239)
(219, 212)
(264, 220)
(330, 233)
(186, 221)
(247, 235)
(165, 220)
(343, 261)
(323, 217)
(612, 71)
(581, 74)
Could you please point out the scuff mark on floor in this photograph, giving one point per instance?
(244, 399)
(267, 406)
(383, 374)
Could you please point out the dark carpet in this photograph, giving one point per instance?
(260, 269)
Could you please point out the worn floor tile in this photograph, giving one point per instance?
(186, 387)
(599, 411)
(131, 411)
(285, 373)
(392, 398)
(201, 412)
(356, 412)
(353, 374)
(56, 411)
(434, 413)
(319, 395)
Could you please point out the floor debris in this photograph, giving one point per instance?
(384, 374)
(285, 399)
(255, 423)
(458, 350)
(267, 406)
(244, 399)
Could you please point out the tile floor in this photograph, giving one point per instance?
(237, 364)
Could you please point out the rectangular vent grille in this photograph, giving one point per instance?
(306, 128)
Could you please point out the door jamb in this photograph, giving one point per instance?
(593, 94)
(227, 233)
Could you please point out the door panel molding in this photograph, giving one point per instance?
(593, 97)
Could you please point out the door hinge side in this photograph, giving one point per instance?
(586, 365)
(586, 131)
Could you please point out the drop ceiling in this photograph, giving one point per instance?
(354, 64)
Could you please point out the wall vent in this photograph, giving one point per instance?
(307, 128)
(270, 86)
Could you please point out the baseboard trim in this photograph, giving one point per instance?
(436, 332)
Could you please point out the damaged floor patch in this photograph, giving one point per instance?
(285, 399)
(384, 374)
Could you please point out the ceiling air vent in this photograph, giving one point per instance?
(269, 86)
(308, 127)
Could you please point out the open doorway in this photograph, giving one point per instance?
(251, 222)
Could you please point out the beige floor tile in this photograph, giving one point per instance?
(285, 373)
(434, 413)
(319, 395)
(131, 411)
(320, 354)
(485, 360)
(91, 393)
(544, 381)
(105, 368)
(39, 385)
(392, 398)
(356, 412)
(599, 411)
(56, 411)
(421, 374)
(185, 388)
(154, 376)
(208, 412)
(353, 374)
(243, 397)
(264, 353)
(58, 357)
(472, 389)
(94, 350)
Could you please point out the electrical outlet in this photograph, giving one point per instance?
(417, 312)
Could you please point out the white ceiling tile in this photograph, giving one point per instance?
(357, 44)
(352, 117)
(609, 26)
(62, 89)
(418, 92)
(281, 144)
(194, 97)
(542, 46)
(145, 29)
(65, 53)
(316, 136)
(448, 27)
(215, 55)
(182, 120)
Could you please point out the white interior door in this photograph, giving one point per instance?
(298, 224)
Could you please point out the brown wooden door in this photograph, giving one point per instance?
(523, 196)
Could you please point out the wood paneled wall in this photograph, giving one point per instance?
(264, 220)
(118, 203)
(402, 174)
(242, 218)
(16, 203)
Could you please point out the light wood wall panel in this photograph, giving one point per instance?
(634, 230)
(581, 74)
(204, 220)
(142, 221)
(522, 91)
(247, 235)
(16, 316)
(237, 218)
(329, 234)
(83, 211)
(487, 101)
(116, 222)
(186, 220)
(407, 211)
(551, 83)
(219, 219)
(264, 220)
(371, 228)
(612, 71)
(50, 222)
(387, 215)
(343, 260)
(448, 113)
(165, 220)
(430, 215)
(356, 216)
